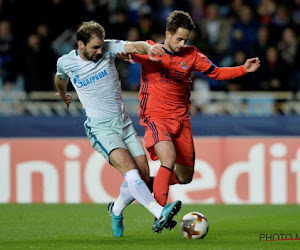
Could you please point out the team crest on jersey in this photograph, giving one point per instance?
(184, 65)
(167, 135)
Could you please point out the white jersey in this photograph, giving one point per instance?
(97, 83)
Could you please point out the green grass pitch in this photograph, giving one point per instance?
(87, 226)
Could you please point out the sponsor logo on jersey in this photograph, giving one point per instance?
(89, 80)
(184, 65)
(76, 79)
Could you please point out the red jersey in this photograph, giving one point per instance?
(166, 84)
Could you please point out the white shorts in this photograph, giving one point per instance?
(112, 133)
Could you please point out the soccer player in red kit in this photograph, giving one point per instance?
(165, 102)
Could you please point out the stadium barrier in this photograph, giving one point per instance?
(230, 170)
(16, 102)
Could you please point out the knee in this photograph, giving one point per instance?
(168, 159)
(185, 179)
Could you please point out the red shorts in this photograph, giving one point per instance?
(177, 131)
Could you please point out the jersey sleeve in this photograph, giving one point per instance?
(205, 66)
(226, 73)
(142, 58)
(202, 64)
(113, 47)
(59, 69)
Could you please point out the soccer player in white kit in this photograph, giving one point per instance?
(92, 71)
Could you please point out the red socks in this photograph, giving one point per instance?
(174, 179)
(161, 185)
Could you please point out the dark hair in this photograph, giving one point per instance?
(87, 29)
(179, 19)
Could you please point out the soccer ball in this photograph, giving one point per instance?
(194, 225)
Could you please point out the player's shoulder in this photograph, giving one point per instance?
(108, 41)
(113, 42)
(190, 49)
(192, 52)
(111, 47)
(68, 57)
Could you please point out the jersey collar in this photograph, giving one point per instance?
(167, 51)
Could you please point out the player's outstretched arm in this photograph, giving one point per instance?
(226, 73)
(252, 64)
(145, 48)
(61, 85)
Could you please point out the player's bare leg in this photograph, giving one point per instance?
(143, 167)
(121, 159)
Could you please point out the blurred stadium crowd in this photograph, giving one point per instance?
(34, 33)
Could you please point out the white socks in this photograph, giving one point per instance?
(139, 190)
(125, 198)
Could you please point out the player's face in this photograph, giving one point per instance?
(176, 41)
(93, 49)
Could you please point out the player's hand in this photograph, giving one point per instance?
(252, 64)
(67, 98)
(156, 50)
(126, 57)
